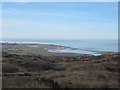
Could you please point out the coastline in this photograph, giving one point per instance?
(58, 49)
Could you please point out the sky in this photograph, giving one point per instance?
(60, 20)
(60, 0)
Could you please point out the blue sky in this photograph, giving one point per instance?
(65, 20)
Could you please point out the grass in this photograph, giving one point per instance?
(23, 73)
(58, 71)
(64, 64)
(22, 49)
(1, 58)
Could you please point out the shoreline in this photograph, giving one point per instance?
(61, 49)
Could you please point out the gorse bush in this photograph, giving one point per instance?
(44, 81)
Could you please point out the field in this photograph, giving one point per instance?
(31, 66)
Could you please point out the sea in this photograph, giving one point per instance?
(91, 45)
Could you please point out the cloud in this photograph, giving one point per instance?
(12, 11)
(60, 0)
(28, 25)
(68, 16)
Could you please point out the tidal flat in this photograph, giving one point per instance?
(32, 66)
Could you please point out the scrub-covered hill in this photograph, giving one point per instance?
(56, 71)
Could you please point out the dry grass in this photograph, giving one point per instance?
(59, 71)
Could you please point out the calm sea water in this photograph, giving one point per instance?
(99, 45)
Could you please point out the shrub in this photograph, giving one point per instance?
(38, 82)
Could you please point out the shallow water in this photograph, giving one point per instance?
(74, 51)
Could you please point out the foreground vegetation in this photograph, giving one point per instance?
(39, 71)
